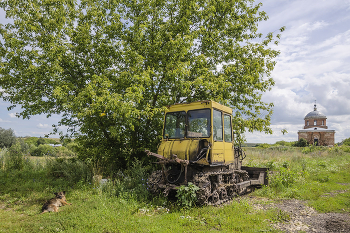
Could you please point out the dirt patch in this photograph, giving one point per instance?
(304, 218)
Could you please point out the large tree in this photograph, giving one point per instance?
(7, 138)
(110, 66)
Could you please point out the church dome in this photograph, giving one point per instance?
(314, 114)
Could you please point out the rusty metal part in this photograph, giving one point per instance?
(217, 185)
(166, 160)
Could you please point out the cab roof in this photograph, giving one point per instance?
(199, 105)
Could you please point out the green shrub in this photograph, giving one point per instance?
(264, 145)
(25, 148)
(72, 170)
(3, 156)
(40, 141)
(31, 140)
(313, 148)
(14, 158)
(346, 142)
(270, 165)
(7, 137)
(343, 148)
(72, 146)
(186, 195)
(135, 179)
(301, 143)
(284, 143)
(62, 151)
(43, 150)
(284, 178)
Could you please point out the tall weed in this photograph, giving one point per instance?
(283, 178)
(186, 195)
(14, 158)
(133, 180)
(72, 170)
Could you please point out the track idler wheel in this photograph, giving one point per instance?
(214, 199)
(202, 197)
(223, 194)
(231, 191)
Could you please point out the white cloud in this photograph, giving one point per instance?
(313, 65)
(1, 120)
(43, 126)
(38, 133)
(316, 25)
(12, 115)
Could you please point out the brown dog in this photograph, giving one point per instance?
(54, 203)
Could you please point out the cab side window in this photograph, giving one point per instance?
(227, 128)
(217, 125)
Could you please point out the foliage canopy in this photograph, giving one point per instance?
(110, 66)
(346, 142)
(7, 138)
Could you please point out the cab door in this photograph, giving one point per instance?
(228, 143)
(218, 147)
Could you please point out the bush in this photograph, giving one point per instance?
(284, 143)
(31, 141)
(186, 195)
(72, 170)
(13, 158)
(44, 149)
(40, 141)
(72, 146)
(64, 152)
(135, 179)
(264, 145)
(346, 142)
(343, 148)
(301, 143)
(7, 137)
(283, 179)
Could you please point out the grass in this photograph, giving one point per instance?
(95, 211)
(319, 176)
(98, 213)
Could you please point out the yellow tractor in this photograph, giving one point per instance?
(197, 147)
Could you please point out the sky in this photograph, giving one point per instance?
(314, 64)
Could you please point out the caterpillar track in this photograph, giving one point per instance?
(215, 187)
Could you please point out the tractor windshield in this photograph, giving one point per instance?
(198, 123)
(175, 125)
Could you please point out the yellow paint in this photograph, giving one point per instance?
(217, 152)
(229, 152)
(187, 148)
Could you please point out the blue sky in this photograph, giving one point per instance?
(314, 64)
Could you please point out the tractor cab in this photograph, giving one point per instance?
(200, 132)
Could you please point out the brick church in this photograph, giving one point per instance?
(315, 130)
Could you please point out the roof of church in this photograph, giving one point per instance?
(314, 114)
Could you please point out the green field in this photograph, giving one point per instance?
(320, 176)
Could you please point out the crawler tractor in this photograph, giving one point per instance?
(197, 147)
